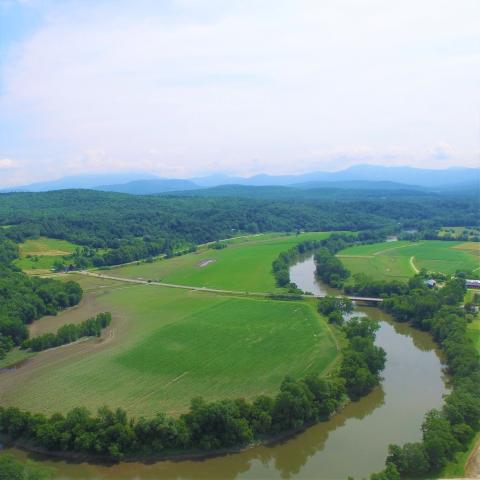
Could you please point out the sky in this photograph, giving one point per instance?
(181, 88)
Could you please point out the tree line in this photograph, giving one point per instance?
(71, 332)
(208, 425)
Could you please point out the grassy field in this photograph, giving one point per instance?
(246, 264)
(400, 260)
(166, 346)
(39, 255)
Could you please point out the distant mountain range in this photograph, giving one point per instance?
(369, 173)
(81, 181)
(149, 187)
(358, 177)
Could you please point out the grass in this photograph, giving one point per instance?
(40, 254)
(398, 260)
(14, 356)
(166, 346)
(456, 467)
(246, 264)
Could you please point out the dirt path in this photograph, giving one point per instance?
(381, 252)
(169, 285)
(204, 289)
(472, 467)
(414, 268)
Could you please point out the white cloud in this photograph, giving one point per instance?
(275, 85)
(8, 163)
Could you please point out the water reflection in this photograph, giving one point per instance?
(284, 459)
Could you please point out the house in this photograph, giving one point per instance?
(431, 283)
(472, 283)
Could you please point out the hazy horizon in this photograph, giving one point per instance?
(122, 177)
(189, 88)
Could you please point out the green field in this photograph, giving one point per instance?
(166, 346)
(400, 260)
(246, 264)
(40, 254)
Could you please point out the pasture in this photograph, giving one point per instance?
(246, 264)
(400, 260)
(166, 346)
(39, 255)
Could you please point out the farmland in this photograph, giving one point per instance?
(39, 255)
(246, 264)
(400, 260)
(166, 346)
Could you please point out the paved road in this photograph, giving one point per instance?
(204, 289)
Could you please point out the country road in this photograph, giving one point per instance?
(169, 285)
(206, 289)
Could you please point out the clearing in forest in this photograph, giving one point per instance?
(38, 255)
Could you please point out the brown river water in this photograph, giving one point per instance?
(354, 442)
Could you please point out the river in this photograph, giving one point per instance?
(354, 442)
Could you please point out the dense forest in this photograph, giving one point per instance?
(117, 228)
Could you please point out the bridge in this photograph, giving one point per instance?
(354, 299)
(366, 299)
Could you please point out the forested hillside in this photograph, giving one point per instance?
(129, 228)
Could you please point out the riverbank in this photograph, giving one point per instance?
(174, 455)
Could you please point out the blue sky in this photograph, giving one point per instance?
(189, 87)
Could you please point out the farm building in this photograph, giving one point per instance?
(472, 283)
(431, 283)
